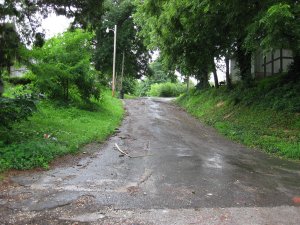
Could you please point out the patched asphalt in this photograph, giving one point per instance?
(179, 172)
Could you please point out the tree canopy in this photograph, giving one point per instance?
(191, 34)
(63, 66)
(136, 54)
(20, 20)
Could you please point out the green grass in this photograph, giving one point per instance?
(69, 129)
(255, 119)
(127, 96)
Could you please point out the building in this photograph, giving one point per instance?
(264, 65)
(18, 71)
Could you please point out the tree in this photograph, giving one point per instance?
(179, 30)
(275, 27)
(136, 56)
(9, 46)
(159, 74)
(63, 65)
(20, 19)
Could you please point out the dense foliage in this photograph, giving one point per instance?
(158, 74)
(132, 56)
(166, 89)
(191, 34)
(63, 67)
(14, 110)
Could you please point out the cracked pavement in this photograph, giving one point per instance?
(181, 172)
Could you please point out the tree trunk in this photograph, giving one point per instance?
(228, 79)
(294, 70)
(215, 75)
(187, 84)
(203, 81)
(1, 87)
(244, 63)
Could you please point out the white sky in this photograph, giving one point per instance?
(54, 25)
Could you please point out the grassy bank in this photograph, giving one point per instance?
(265, 116)
(54, 131)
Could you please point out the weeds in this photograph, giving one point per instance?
(264, 116)
(54, 131)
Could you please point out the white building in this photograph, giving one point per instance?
(265, 65)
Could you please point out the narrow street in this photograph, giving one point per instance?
(180, 172)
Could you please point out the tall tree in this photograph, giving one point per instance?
(277, 26)
(180, 30)
(19, 20)
(136, 56)
(63, 65)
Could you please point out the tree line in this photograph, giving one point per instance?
(71, 67)
(192, 35)
(20, 20)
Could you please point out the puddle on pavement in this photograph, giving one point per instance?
(214, 162)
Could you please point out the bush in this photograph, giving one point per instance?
(166, 89)
(143, 87)
(64, 69)
(129, 85)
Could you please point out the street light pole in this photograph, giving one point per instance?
(114, 58)
(114, 61)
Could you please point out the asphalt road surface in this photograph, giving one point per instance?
(179, 172)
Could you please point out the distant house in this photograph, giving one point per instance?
(265, 65)
(17, 71)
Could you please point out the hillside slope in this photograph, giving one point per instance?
(266, 115)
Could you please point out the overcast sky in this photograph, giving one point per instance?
(54, 25)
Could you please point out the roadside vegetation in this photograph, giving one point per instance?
(57, 106)
(61, 101)
(167, 89)
(265, 115)
(160, 82)
(54, 131)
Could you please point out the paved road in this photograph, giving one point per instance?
(181, 172)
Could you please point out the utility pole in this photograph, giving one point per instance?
(122, 75)
(114, 58)
(114, 61)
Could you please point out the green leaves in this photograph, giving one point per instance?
(15, 110)
(190, 34)
(63, 67)
(275, 27)
(127, 43)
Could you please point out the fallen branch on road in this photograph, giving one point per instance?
(124, 153)
(120, 150)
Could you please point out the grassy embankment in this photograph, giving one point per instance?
(54, 131)
(266, 116)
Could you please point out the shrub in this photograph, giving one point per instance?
(167, 89)
(63, 67)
